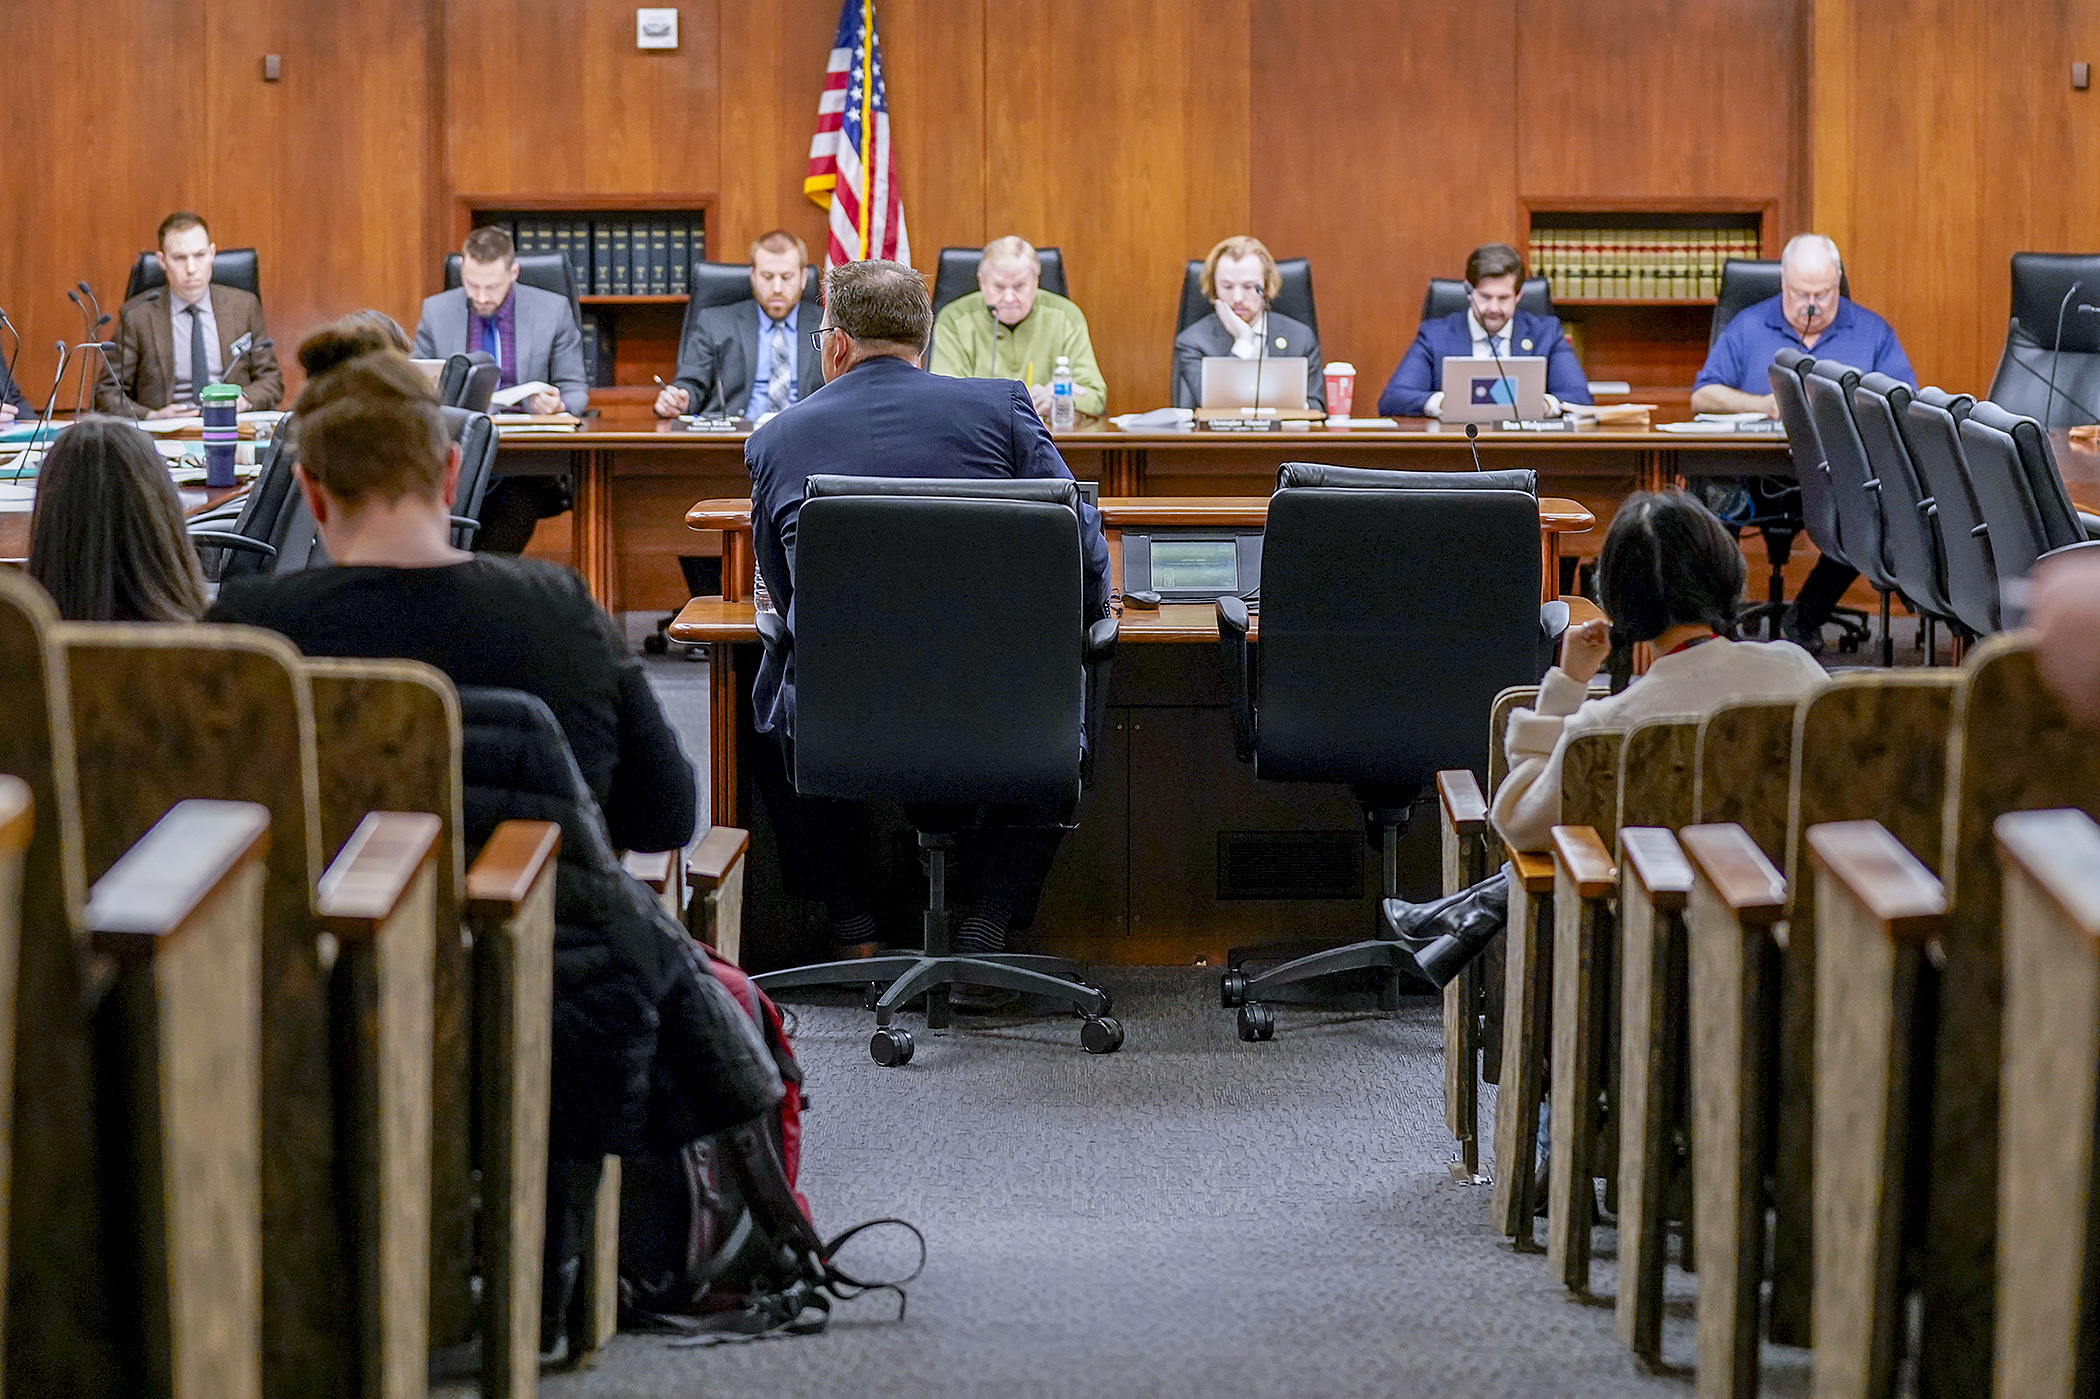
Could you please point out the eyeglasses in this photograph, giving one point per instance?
(816, 337)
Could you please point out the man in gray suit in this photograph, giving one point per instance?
(1240, 280)
(531, 334)
(750, 357)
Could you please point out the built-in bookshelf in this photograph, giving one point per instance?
(630, 256)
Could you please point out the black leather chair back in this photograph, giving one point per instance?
(547, 271)
(1931, 425)
(1818, 507)
(275, 513)
(2041, 299)
(1448, 294)
(939, 642)
(1829, 388)
(1294, 298)
(1747, 281)
(726, 283)
(468, 381)
(452, 379)
(231, 267)
(1914, 549)
(476, 436)
(2053, 510)
(1412, 596)
(956, 274)
(2002, 495)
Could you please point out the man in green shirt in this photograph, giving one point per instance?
(1011, 329)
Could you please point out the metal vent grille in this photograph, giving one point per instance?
(1290, 864)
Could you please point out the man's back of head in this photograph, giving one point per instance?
(882, 307)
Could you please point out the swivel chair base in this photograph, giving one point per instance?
(907, 977)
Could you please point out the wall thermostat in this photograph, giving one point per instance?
(656, 29)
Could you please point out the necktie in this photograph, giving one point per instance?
(491, 342)
(200, 367)
(777, 380)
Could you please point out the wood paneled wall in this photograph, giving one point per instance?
(1382, 140)
(1945, 137)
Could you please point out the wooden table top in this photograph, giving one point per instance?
(1556, 515)
(17, 505)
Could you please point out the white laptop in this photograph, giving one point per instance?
(433, 369)
(1484, 390)
(1274, 384)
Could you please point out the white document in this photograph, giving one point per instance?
(504, 398)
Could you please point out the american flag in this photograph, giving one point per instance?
(852, 165)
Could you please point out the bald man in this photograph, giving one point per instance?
(1010, 328)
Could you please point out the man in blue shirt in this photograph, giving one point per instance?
(1808, 315)
(1491, 325)
(749, 358)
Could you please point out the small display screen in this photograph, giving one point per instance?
(1196, 565)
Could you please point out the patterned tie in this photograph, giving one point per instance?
(200, 367)
(777, 374)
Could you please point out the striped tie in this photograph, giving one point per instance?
(778, 376)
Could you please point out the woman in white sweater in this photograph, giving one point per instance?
(1669, 575)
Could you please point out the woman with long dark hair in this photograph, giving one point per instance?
(107, 538)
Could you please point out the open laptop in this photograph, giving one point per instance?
(1482, 390)
(1276, 384)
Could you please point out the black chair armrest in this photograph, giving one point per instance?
(2083, 546)
(1553, 621)
(465, 522)
(219, 539)
(1100, 651)
(1238, 657)
(2090, 523)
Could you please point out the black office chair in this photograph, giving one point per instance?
(1853, 485)
(476, 436)
(547, 271)
(2050, 338)
(1294, 298)
(231, 267)
(1907, 509)
(1448, 294)
(950, 710)
(1931, 425)
(1817, 507)
(2021, 495)
(273, 533)
(469, 381)
(1395, 606)
(956, 274)
(1747, 281)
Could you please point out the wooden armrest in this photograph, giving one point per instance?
(652, 867)
(1581, 609)
(161, 883)
(372, 873)
(2060, 851)
(1588, 863)
(1534, 868)
(502, 876)
(1658, 863)
(1886, 879)
(715, 855)
(15, 820)
(1739, 872)
(1464, 807)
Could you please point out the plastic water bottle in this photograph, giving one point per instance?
(1061, 395)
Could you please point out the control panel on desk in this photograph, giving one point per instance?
(1192, 565)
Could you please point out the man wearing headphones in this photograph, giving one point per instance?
(1491, 325)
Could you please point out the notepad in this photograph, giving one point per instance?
(518, 393)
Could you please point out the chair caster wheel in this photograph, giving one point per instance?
(1256, 1022)
(656, 644)
(1100, 1035)
(890, 1046)
(1232, 989)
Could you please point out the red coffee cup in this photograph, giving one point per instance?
(1341, 388)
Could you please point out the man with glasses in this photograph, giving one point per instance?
(749, 358)
(1810, 316)
(880, 414)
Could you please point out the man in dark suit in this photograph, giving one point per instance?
(162, 333)
(750, 357)
(1491, 324)
(880, 414)
(1239, 281)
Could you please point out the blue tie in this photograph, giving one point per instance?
(491, 343)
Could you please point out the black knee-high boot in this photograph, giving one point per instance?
(1446, 934)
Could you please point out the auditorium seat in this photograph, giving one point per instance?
(230, 267)
(1854, 491)
(1931, 424)
(1915, 554)
(2051, 340)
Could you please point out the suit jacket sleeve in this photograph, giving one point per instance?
(1188, 368)
(1564, 377)
(113, 392)
(1315, 372)
(426, 335)
(1414, 379)
(565, 361)
(696, 365)
(1035, 456)
(265, 381)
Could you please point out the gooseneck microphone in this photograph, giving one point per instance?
(43, 419)
(16, 354)
(1473, 437)
(1508, 384)
(2056, 350)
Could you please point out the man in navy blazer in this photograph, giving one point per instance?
(1494, 276)
(880, 413)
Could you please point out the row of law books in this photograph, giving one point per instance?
(617, 255)
(1637, 264)
(597, 351)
